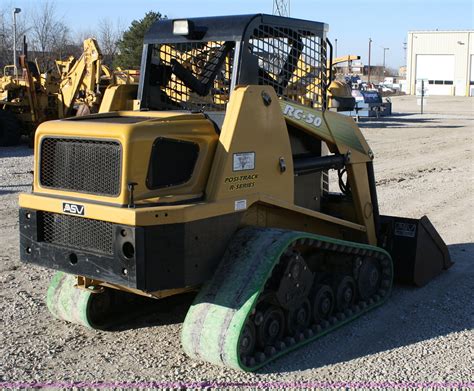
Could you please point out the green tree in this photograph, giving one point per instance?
(130, 46)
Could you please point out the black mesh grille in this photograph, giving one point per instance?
(78, 232)
(293, 62)
(82, 165)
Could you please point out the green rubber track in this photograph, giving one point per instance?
(66, 302)
(213, 325)
(93, 309)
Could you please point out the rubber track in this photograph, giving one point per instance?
(213, 324)
(66, 302)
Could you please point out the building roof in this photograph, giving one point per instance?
(441, 31)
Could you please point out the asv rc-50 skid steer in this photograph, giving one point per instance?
(218, 181)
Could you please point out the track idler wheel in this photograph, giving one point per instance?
(322, 302)
(248, 339)
(369, 279)
(270, 326)
(345, 292)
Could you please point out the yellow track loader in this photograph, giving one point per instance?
(218, 183)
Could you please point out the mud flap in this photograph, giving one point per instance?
(419, 253)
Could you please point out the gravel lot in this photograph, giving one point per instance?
(424, 165)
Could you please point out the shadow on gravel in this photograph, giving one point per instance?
(170, 310)
(18, 151)
(14, 189)
(393, 118)
(410, 315)
(4, 192)
(391, 122)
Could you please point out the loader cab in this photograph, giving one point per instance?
(194, 65)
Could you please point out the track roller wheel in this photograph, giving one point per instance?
(345, 292)
(248, 339)
(271, 327)
(369, 279)
(322, 302)
(298, 319)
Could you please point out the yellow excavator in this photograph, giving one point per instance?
(218, 183)
(76, 87)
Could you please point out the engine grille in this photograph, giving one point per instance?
(77, 232)
(81, 165)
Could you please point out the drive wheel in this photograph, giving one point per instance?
(271, 327)
(298, 319)
(10, 129)
(322, 302)
(345, 292)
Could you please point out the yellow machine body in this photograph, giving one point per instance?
(263, 196)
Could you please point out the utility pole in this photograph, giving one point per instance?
(281, 7)
(368, 72)
(15, 69)
(335, 46)
(384, 50)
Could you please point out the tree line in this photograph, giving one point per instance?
(49, 38)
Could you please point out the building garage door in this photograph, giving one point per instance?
(438, 69)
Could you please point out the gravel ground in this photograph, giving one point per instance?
(424, 165)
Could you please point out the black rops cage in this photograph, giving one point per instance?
(194, 64)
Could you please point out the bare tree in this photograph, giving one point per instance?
(108, 36)
(5, 45)
(50, 36)
(82, 35)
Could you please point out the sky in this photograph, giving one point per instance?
(352, 23)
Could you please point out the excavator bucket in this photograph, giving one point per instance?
(419, 253)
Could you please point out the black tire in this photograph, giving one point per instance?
(10, 129)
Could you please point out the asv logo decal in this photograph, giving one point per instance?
(73, 209)
(301, 115)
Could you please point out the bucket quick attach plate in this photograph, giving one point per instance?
(419, 253)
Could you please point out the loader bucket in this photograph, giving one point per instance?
(419, 253)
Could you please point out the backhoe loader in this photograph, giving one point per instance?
(218, 183)
(76, 87)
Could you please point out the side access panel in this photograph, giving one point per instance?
(419, 253)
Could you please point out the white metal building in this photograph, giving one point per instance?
(444, 59)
